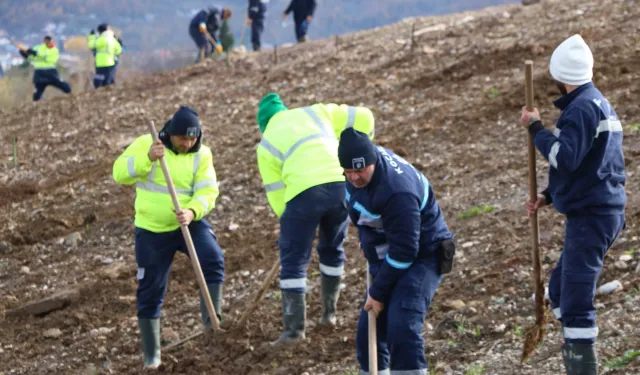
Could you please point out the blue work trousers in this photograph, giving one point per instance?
(154, 255)
(572, 285)
(320, 206)
(399, 325)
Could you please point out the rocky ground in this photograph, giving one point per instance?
(450, 105)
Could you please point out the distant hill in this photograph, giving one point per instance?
(155, 24)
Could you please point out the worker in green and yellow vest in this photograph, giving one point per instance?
(157, 224)
(44, 59)
(305, 185)
(107, 49)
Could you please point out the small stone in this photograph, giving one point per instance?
(429, 327)
(500, 328)
(107, 260)
(4, 246)
(73, 239)
(467, 244)
(625, 257)
(621, 265)
(52, 333)
(453, 305)
(233, 227)
(169, 334)
(610, 287)
(191, 322)
(551, 257)
(475, 273)
(102, 350)
(25, 270)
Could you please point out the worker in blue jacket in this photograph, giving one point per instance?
(208, 21)
(255, 18)
(302, 16)
(586, 183)
(407, 244)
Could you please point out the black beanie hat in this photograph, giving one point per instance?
(102, 27)
(184, 122)
(355, 150)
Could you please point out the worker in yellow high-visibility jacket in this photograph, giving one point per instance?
(44, 59)
(305, 185)
(107, 50)
(157, 233)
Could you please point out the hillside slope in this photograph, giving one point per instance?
(156, 24)
(451, 107)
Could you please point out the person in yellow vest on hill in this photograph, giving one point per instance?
(305, 185)
(44, 59)
(107, 49)
(157, 225)
(91, 42)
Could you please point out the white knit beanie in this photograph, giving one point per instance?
(572, 62)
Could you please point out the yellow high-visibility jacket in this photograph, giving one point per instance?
(193, 176)
(299, 148)
(45, 58)
(107, 48)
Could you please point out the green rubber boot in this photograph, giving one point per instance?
(215, 291)
(580, 359)
(294, 310)
(150, 337)
(330, 294)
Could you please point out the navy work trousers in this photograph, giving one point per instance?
(154, 255)
(47, 77)
(257, 26)
(572, 285)
(399, 325)
(319, 206)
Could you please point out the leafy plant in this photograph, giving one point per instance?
(226, 37)
(492, 93)
(618, 363)
(474, 369)
(477, 210)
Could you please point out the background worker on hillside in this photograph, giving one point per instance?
(407, 244)
(586, 183)
(255, 17)
(44, 59)
(107, 50)
(208, 21)
(298, 162)
(302, 16)
(157, 232)
(91, 42)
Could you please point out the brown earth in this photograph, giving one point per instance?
(451, 106)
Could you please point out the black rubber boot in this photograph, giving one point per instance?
(294, 311)
(330, 295)
(580, 359)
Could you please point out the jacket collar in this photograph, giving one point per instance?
(563, 102)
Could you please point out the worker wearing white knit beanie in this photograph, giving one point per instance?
(572, 62)
(586, 183)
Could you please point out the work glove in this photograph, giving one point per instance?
(219, 48)
(203, 27)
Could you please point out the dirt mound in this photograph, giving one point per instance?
(450, 105)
